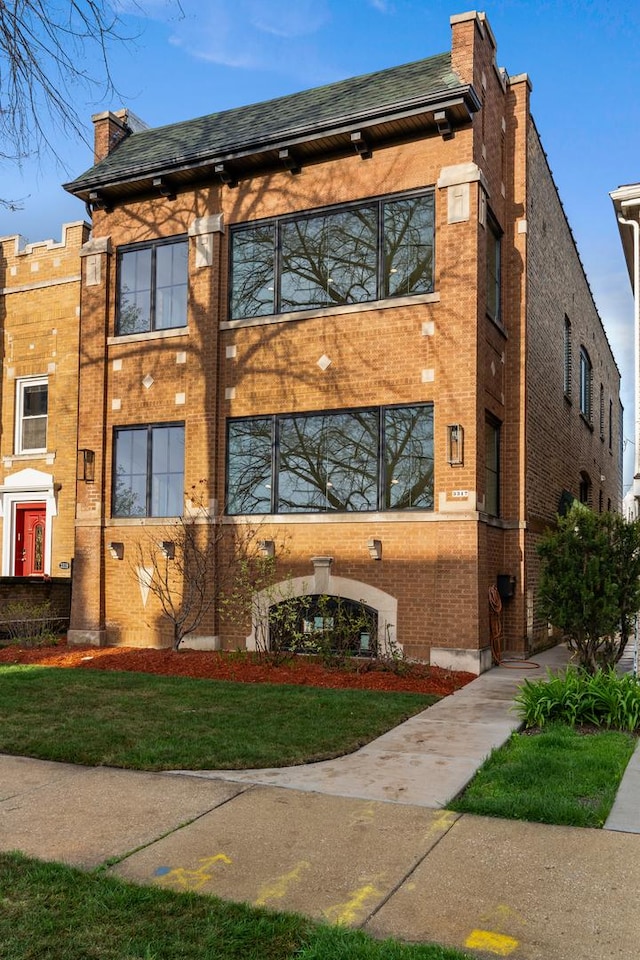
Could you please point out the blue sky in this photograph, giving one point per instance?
(583, 59)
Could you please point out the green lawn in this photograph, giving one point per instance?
(52, 912)
(144, 722)
(558, 775)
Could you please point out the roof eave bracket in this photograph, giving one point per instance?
(163, 188)
(98, 202)
(289, 160)
(225, 175)
(362, 147)
(443, 124)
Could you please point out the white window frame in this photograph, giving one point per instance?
(21, 385)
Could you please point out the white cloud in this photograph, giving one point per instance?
(284, 18)
(243, 34)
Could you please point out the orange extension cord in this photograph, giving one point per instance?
(495, 626)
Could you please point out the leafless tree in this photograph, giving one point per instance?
(50, 51)
(178, 565)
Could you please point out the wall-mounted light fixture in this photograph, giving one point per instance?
(86, 467)
(116, 549)
(267, 548)
(168, 549)
(375, 549)
(455, 444)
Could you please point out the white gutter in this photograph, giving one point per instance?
(635, 226)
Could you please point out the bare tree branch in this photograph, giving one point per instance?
(50, 52)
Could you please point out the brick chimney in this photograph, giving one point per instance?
(110, 129)
(473, 46)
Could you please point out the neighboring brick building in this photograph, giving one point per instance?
(359, 312)
(626, 203)
(40, 315)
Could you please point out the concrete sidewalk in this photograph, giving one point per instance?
(490, 887)
(321, 841)
(428, 759)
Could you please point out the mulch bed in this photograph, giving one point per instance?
(243, 668)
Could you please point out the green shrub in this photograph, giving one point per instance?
(601, 699)
(590, 583)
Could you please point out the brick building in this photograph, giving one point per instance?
(626, 204)
(359, 312)
(40, 316)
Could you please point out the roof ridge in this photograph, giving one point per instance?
(295, 95)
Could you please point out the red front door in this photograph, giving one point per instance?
(30, 531)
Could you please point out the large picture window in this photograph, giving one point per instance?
(32, 404)
(152, 287)
(355, 254)
(338, 461)
(148, 471)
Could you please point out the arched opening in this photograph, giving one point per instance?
(382, 606)
(322, 624)
(585, 488)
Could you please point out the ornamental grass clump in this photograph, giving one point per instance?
(601, 699)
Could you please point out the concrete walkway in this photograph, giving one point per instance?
(428, 759)
(322, 842)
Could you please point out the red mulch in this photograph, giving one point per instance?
(242, 667)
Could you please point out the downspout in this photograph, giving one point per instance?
(635, 226)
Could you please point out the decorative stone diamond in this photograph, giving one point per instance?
(148, 381)
(324, 362)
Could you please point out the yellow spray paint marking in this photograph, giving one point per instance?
(441, 823)
(503, 913)
(498, 943)
(365, 814)
(278, 888)
(348, 912)
(184, 879)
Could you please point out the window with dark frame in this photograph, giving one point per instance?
(355, 253)
(148, 471)
(584, 490)
(494, 267)
(610, 424)
(32, 406)
(585, 384)
(602, 412)
(567, 357)
(492, 467)
(152, 286)
(378, 458)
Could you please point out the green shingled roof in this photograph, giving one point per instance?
(242, 129)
